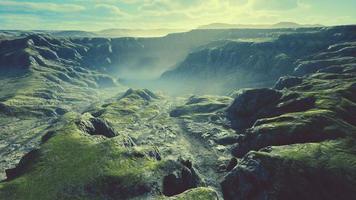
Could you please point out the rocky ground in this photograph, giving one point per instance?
(162, 155)
(68, 131)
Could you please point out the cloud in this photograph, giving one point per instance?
(156, 6)
(41, 6)
(110, 1)
(273, 4)
(101, 14)
(112, 9)
(21, 21)
(237, 2)
(191, 13)
(171, 5)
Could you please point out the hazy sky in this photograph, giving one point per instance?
(146, 14)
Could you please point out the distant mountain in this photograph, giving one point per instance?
(122, 32)
(259, 26)
(73, 33)
(125, 32)
(111, 33)
(294, 25)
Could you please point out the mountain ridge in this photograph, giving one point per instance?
(258, 26)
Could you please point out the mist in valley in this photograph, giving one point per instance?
(150, 65)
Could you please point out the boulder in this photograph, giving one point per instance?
(96, 126)
(246, 181)
(315, 171)
(181, 180)
(252, 105)
(290, 129)
(24, 165)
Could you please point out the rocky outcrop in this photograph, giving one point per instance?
(97, 126)
(246, 181)
(268, 117)
(252, 105)
(301, 171)
(301, 144)
(259, 64)
(180, 181)
(201, 105)
(312, 66)
(58, 59)
(24, 165)
(145, 94)
(34, 50)
(291, 129)
(336, 57)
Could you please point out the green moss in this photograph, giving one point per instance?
(74, 166)
(335, 154)
(200, 193)
(198, 105)
(289, 120)
(324, 170)
(127, 110)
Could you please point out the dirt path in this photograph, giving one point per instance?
(174, 140)
(205, 158)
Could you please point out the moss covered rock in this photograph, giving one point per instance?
(323, 170)
(72, 165)
(303, 147)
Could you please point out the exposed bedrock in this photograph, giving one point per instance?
(23, 166)
(297, 142)
(285, 130)
(97, 126)
(181, 180)
(312, 171)
(255, 104)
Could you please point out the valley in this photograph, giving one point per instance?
(205, 114)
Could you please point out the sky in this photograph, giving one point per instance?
(93, 15)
